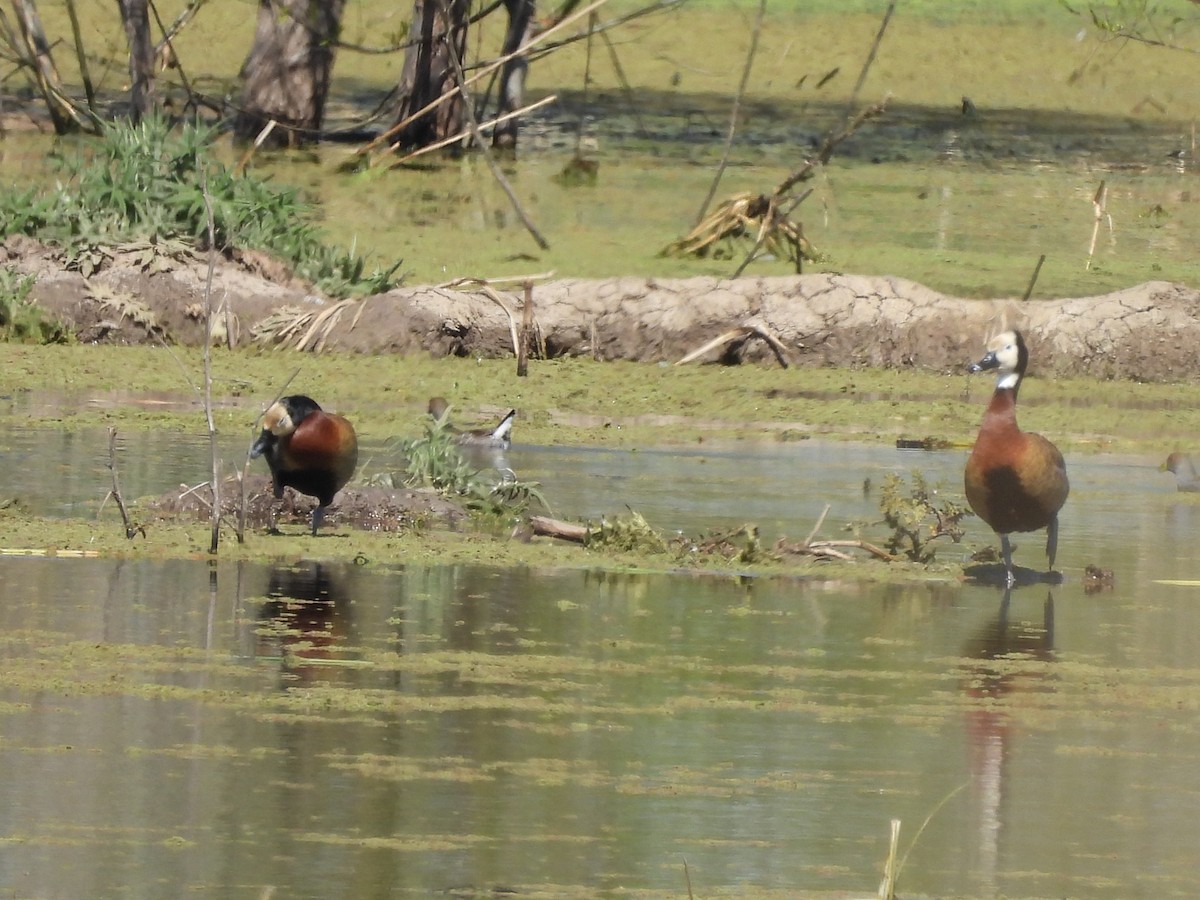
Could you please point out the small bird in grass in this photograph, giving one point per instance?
(1185, 473)
(308, 449)
(499, 438)
(1015, 480)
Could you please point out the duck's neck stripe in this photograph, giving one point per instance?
(1008, 382)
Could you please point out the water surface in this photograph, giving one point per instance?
(329, 730)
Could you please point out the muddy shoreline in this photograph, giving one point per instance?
(1148, 332)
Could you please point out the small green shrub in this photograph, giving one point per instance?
(434, 461)
(21, 318)
(917, 517)
(146, 182)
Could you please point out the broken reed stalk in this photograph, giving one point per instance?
(735, 111)
(468, 109)
(1037, 270)
(490, 123)
(626, 88)
(115, 493)
(891, 869)
(526, 332)
(929, 818)
(870, 60)
(1099, 205)
(806, 171)
(215, 513)
(250, 151)
(832, 140)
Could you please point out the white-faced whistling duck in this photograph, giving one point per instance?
(308, 449)
(1015, 481)
(1185, 473)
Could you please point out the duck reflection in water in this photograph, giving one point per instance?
(306, 623)
(1011, 660)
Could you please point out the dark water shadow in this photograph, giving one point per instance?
(995, 574)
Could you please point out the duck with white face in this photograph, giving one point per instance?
(1015, 480)
(308, 450)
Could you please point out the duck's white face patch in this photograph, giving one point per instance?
(278, 421)
(1008, 358)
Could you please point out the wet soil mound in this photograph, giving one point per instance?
(1146, 333)
(365, 507)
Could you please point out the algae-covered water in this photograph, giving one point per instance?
(324, 726)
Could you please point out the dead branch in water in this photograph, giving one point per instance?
(887, 889)
(830, 549)
(130, 529)
(214, 453)
(557, 528)
(740, 543)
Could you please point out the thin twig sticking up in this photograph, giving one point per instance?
(733, 113)
(115, 493)
(831, 142)
(459, 76)
(215, 520)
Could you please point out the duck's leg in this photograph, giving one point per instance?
(317, 518)
(1006, 550)
(1052, 541)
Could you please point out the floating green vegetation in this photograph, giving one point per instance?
(151, 185)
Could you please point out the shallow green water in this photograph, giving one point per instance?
(326, 730)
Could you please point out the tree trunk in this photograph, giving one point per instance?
(512, 76)
(135, 16)
(429, 73)
(286, 75)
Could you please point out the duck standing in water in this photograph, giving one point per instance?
(1015, 480)
(308, 449)
(498, 438)
(1185, 473)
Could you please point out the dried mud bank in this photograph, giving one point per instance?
(1146, 333)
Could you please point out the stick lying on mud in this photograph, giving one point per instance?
(750, 329)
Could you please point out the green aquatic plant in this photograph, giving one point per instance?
(918, 517)
(434, 461)
(631, 533)
(145, 183)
